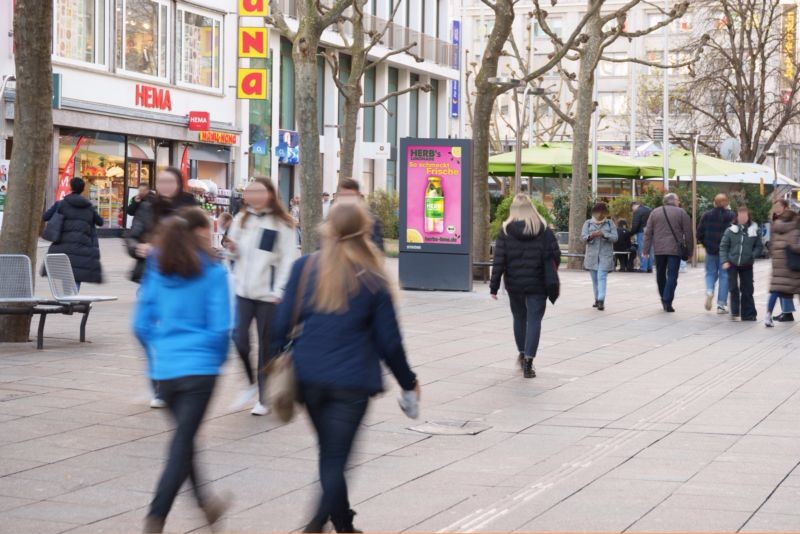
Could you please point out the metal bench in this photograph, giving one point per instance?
(16, 293)
(485, 267)
(65, 290)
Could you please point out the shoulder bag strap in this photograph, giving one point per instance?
(674, 236)
(298, 298)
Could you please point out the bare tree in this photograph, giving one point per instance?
(747, 85)
(313, 18)
(33, 137)
(602, 30)
(487, 93)
(364, 40)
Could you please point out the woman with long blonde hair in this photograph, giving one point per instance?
(346, 326)
(524, 251)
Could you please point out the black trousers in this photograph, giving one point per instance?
(740, 287)
(667, 270)
(262, 312)
(187, 399)
(528, 311)
(336, 415)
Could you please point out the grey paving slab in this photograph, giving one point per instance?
(637, 420)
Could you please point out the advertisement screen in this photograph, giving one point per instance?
(433, 192)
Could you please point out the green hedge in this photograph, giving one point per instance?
(386, 206)
(504, 208)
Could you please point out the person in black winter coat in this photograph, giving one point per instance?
(624, 244)
(169, 198)
(78, 234)
(641, 214)
(521, 255)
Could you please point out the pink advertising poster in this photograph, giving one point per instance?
(433, 207)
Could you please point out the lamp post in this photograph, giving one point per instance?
(513, 83)
(665, 135)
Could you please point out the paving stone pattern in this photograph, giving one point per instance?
(638, 421)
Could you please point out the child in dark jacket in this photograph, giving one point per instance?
(183, 321)
(740, 246)
(624, 244)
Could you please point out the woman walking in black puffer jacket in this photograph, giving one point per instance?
(525, 251)
(78, 234)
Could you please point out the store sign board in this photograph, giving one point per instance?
(253, 42)
(199, 121)
(253, 8)
(455, 95)
(252, 84)
(151, 97)
(376, 150)
(288, 149)
(219, 138)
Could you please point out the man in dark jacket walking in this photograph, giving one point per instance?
(669, 233)
(350, 188)
(641, 214)
(710, 229)
(78, 234)
(144, 195)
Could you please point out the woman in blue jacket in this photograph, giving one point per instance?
(183, 322)
(348, 325)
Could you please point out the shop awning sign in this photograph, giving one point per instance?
(199, 121)
(253, 8)
(252, 84)
(219, 138)
(253, 42)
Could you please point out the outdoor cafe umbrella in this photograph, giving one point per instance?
(555, 159)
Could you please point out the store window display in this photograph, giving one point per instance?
(80, 30)
(199, 49)
(100, 161)
(142, 37)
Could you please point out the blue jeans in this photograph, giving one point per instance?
(336, 415)
(644, 264)
(599, 278)
(714, 272)
(667, 270)
(528, 311)
(787, 305)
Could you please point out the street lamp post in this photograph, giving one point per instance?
(513, 83)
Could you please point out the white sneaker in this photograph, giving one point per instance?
(245, 398)
(259, 409)
(768, 322)
(722, 310)
(709, 300)
(155, 402)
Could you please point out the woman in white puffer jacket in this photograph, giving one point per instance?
(261, 240)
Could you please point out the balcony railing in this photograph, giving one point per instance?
(396, 36)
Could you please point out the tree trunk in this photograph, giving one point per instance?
(581, 131)
(33, 136)
(349, 129)
(304, 53)
(481, 125)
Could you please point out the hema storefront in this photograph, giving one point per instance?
(131, 73)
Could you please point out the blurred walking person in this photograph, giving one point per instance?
(784, 283)
(599, 233)
(78, 238)
(347, 326)
(740, 246)
(521, 254)
(669, 234)
(182, 320)
(624, 251)
(641, 215)
(262, 245)
(349, 188)
(710, 229)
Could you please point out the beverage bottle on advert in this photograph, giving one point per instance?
(434, 206)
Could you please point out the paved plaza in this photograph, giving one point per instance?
(639, 420)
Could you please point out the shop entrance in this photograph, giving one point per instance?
(140, 172)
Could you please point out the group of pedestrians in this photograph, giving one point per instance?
(340, 298)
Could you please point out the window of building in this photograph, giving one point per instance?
(80, 30)
(413, 105)
(556, 25)
(369, 111)
(199, 42)
(613, 103)
(286, 119)
(434, 108)
(345, 66)
(142, 36)
(321, 93)
(612, 68)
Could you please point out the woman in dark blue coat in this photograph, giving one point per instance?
(348, 326)
(78, 234)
